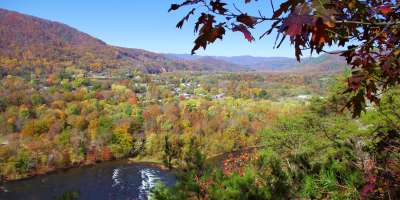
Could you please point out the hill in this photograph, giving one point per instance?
(28, 42)
(33, 44)
(323, 64)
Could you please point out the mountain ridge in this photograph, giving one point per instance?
(256, 63)
(284, 64)
(35, 41)
(30, 42)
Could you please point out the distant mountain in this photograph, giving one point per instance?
(183, 57)
(249, 62)
(215, 64)
(262, 63)
(324, 63)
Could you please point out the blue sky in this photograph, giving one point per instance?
(144, 24)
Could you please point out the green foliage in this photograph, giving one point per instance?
(64, 138)
(193, 158)
(171, 150)
(22, 162)
(26, 113)
(241, 187)
(73, 109)
(37, 99)
(3, 104)
(310, 189)
(79, 82)
(69, 196)
(105, 124)
(264, 95)
(121, 143)
(161, 191)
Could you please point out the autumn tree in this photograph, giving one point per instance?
(367, 30)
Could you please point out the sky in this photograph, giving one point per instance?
(146, 24)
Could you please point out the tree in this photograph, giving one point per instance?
(121, 142)
(172, 148)
(369, 29)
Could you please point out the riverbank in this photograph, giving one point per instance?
(150, 161)
(43, 171)
(118, 179)
(131, 160)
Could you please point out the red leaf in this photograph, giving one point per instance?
(245, 32)
(319, 36)
(385, 9)
(354, 82)
(247, 20)
(187, 2)
(284, 7)
(207, 20)
(180, 23)
(368, 188)
(201, 20)
(294, 23)
(218, 6)
(217, 33)
(208, 33)
(174, 7)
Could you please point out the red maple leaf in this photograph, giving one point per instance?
(218, 6)
(242, 28)
(294, 23)
(385, 9)
(247, 20)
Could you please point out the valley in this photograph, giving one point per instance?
(222, 127)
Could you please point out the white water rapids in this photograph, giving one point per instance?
(149, 180)
(117, 180)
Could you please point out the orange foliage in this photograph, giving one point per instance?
(106, 153)
(236, 163)
(133, 99)
(91, 156)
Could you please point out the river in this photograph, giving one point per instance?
(110, 180)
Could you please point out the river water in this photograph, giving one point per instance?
(117, 180)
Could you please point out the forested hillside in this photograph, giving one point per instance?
(38, 45)
(31, 43)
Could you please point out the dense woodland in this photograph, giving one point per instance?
(72, 118)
